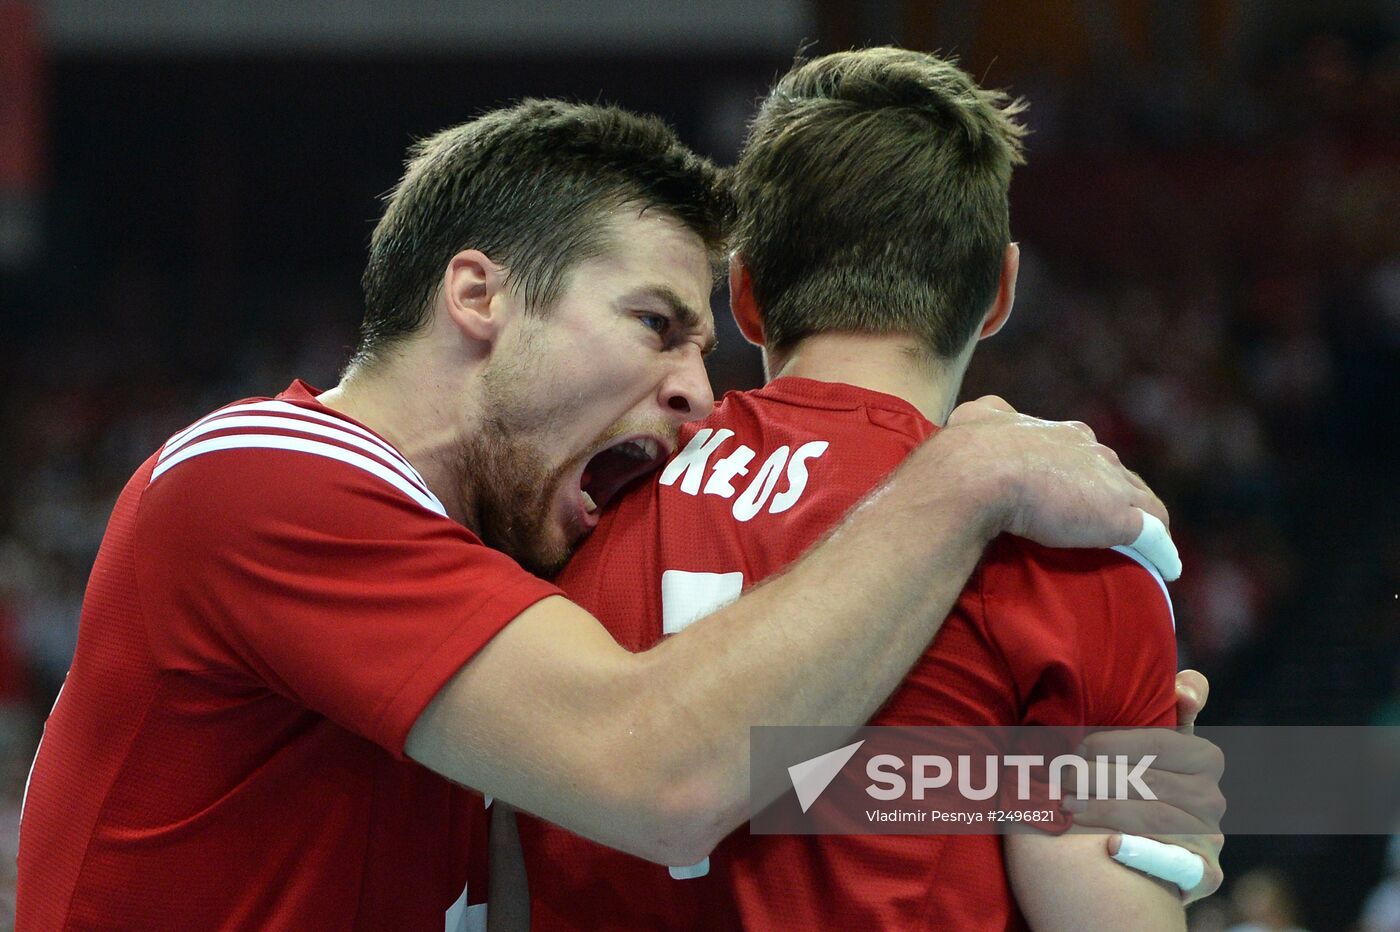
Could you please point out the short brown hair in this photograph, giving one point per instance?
(872, 197)
(532, 186)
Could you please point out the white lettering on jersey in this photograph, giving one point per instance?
(756, 495)
(797, 476)
(693, 460)
(735, 464)
(691, 464)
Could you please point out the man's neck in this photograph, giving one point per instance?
(889, 363)
(420, 419)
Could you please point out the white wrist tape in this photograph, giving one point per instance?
(1171, 863)
(1156, 546)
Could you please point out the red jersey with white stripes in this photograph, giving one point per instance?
(277, 598)
(1040, 636)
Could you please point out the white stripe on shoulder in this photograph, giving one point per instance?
(1148, 565)
(297, 412)
(298, 425)
(302, 445)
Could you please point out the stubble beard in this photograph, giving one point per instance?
(514, 497)
(506, 478)
(507, 486)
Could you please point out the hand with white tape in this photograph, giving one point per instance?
(1185, 776)
(1053, 482)
(1171, 863)
(1155, 545)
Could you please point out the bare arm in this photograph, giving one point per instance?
(508, 901)
(649, 752)
(1185, 777)
(1067, 882)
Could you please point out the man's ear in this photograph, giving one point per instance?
(741, 301)
(1000, 310)
(473, 293)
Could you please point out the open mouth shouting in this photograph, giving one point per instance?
(614, 467)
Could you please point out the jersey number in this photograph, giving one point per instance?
(687, 597)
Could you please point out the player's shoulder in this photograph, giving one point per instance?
(1085, 584)
(1086, 635)
(283, 458)
(1009, 549)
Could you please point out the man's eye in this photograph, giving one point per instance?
(658, 322)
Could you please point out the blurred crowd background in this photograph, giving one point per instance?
(1210, 222)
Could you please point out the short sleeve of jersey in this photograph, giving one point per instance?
(1049, 637)
(319, 581)
(1086, 636)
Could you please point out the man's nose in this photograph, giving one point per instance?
(686, 391)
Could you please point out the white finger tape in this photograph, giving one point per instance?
(1171, 863)
(1156, 545)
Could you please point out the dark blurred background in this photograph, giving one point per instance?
(1210, 224)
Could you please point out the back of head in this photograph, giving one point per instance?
(872, 197)
(532, 186)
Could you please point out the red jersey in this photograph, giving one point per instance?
(277, 598)
(1040, 636)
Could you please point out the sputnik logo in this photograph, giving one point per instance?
(811, 777)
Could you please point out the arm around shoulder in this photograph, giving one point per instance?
(649, 752)
(552, 716)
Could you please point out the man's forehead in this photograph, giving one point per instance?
(667, 262)
(656, 236)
